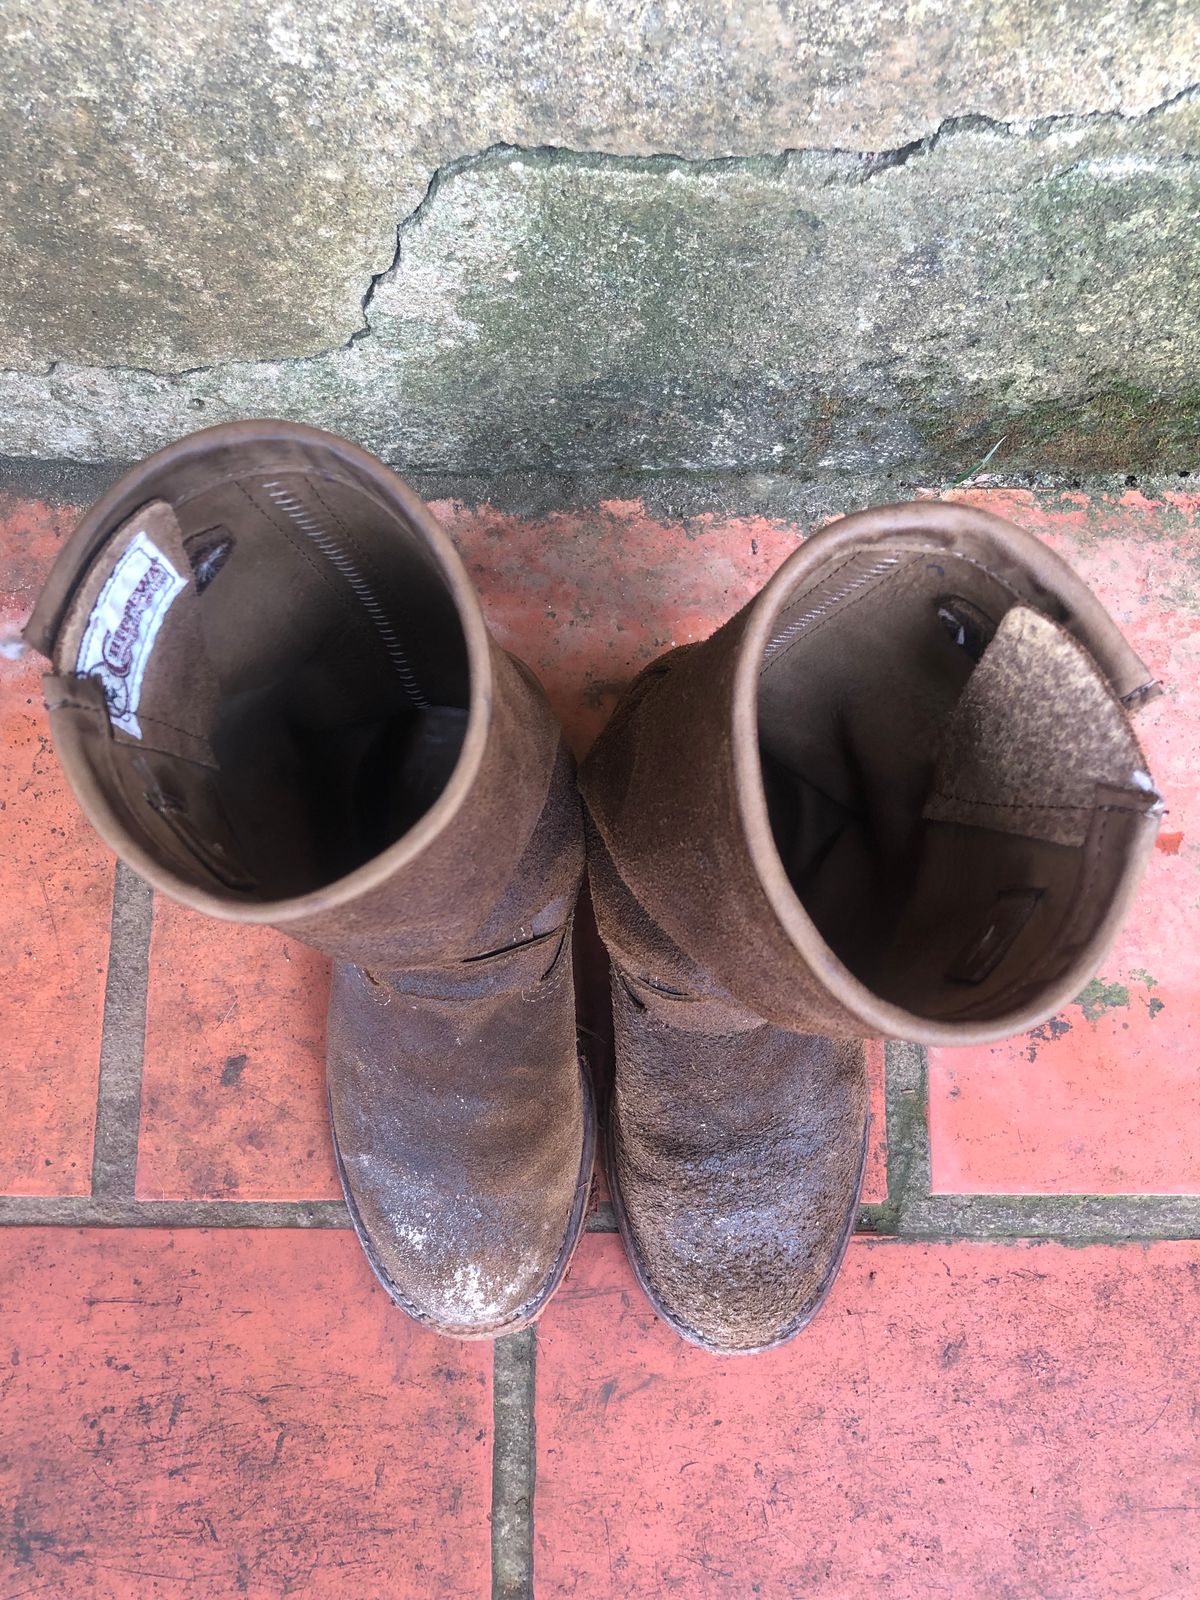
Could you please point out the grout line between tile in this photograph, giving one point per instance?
(514, 1464)
(1067, 1218)
(913, 1211)
(906, 1102)
(123, 1211)
(123, 1039)
(1073, 1219)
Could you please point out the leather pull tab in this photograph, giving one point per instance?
(77, 697)
(1035, 734)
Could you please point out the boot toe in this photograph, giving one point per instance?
(468, 1267)
(736, 1213)
(463, 1129)
(740, 1273)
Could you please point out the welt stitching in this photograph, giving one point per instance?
(1094, 864)
(161, 722)
(1019, 805)
(956, 555)
(205, 757)
(1033, 805)
(72, 705)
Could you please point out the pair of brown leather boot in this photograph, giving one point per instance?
(898, 794)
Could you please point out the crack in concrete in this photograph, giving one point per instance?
(862, 166)
(867, 164)
(1035, 128)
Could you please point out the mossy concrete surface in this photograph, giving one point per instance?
(186, 185)
(816, 312)
(818, 241)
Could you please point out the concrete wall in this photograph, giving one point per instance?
(684, 235)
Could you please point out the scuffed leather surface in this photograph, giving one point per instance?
(735, 1148)
(738, 1122)
(461, 1116)
(661, 789)
(737, 1154)
(458, 1111)
(462, 1122)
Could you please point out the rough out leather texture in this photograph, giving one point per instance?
(736, 1149)
(661, 788)
(739, 1113)
(1017, 791)
(461, 1118)
(299, 702)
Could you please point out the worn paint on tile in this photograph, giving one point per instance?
(233, 1087)
(55, 907)
(1105, 1097)
(959, 1420)
(232, 1413)
(590, 598)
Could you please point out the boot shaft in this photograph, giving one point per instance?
(898, 794)
(275, 695)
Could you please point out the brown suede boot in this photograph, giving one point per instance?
(898, 794)
(276, 698)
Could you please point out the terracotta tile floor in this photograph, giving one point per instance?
(204, 1393)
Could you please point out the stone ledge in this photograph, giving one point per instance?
(816, 312)
(191, 187)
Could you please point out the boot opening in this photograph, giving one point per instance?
(951, 785)
(265, 670)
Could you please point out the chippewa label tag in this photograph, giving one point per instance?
(123, 625)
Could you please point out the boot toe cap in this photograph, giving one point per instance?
(732, 1282)
(466, 1267)
(737, 1211)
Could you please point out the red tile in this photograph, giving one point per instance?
(589, 598)
(55, 905)
(232, 1413)
(1105, 1098)
(960, 1420)
(233, 1088)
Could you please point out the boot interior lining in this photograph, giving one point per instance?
(304, 698)
(955, 838)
